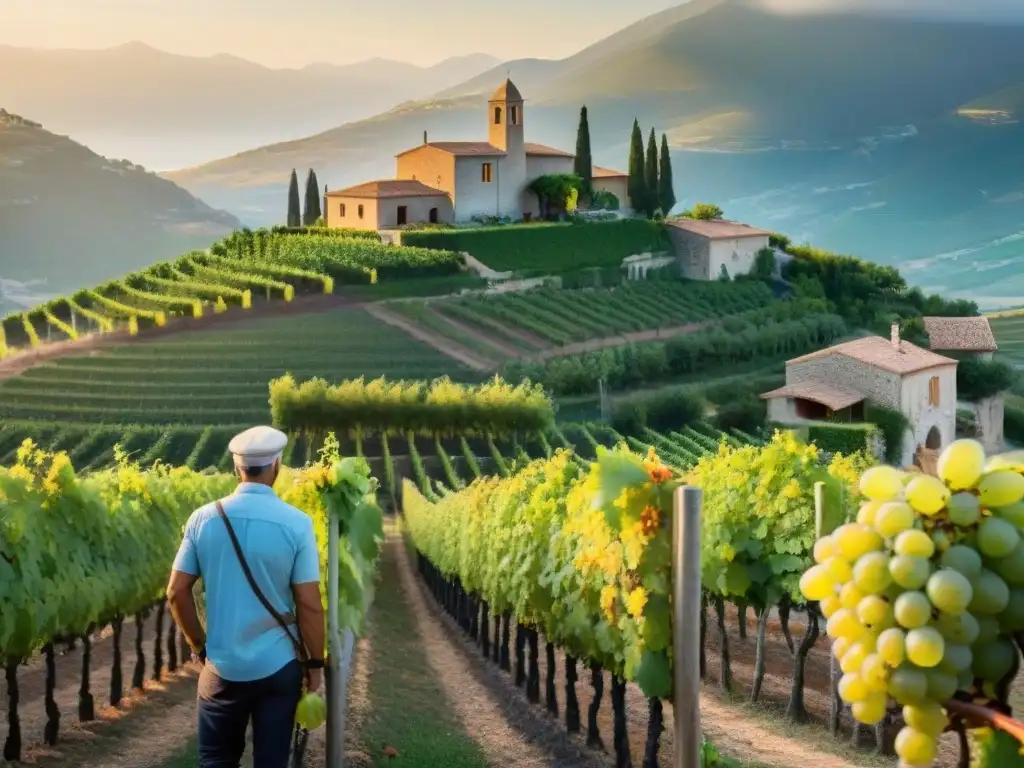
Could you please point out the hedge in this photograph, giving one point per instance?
(1013, 424)
(841, 438)
(740, 339)
(552, 247)
(893, 425)
(664, 410)
(440, 407)
(979, 379)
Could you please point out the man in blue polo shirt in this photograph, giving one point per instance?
(252, 642)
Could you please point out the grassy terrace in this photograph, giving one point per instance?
(524, 324)
(1009, 333)
(218, 377)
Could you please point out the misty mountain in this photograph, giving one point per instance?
(887, 135)
(167, 111)
(70, 218)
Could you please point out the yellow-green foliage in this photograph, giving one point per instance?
(30, 330)
(59, 324)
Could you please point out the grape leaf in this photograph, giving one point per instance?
(657, 631)
(654, 675)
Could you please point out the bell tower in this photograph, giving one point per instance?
(505, 119)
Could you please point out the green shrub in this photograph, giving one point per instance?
(977, 379)
(1013, 424)
(755, 337)
(661, 411)
(603, 200)
(893, 425)
(841, 438)
(553, 247)
(746, 413)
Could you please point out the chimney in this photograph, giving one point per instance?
(425, 137)
(895, 336)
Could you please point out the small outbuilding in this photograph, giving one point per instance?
(387, 203)
(706, 250)
(965, 335)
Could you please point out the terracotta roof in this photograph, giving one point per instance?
(718, 229)
(961, 334)
(545, 151)
(481, 148)
(829, 394)
(608, 173)
(507, 91)
(388, 188)
(880, 353)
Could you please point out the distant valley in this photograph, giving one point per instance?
(893, 138)
(897, 139)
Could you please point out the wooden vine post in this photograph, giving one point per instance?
(686, 598)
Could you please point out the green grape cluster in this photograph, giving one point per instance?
(924, 591)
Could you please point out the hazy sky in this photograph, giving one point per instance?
(298, 32)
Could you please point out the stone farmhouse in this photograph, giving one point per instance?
(453, 181)
(836, 383)
(707, 249)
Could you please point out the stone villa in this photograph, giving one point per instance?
(839, 380)
(453, 181)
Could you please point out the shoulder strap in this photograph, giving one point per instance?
(300, 647)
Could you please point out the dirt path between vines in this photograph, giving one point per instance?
(438, 342)
(511, 732)
(750, 737)
(499, 346)
(159, 715)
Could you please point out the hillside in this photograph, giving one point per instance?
(167, 111)
(841, 129)
(69, 217)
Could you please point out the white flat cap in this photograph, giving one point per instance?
(258, 447)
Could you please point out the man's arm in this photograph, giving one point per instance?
(309, 609)
(184, 575)
(183, 608)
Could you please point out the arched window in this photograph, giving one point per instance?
(433, 216)
(497, 115)
(933, 392)
(360, 211)
(513, 115)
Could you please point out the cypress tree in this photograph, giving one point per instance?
(635, 184)
(583, 165)
(294, 212)
(651, 175)
(666, 194)
(311, 209)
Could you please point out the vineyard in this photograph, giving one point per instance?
(547, 548)
(115, 531)
(217, 377)
(570, 556)
(540, 321)
(243, 271)
(1009, 333)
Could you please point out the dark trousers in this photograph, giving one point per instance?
(225, 708)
